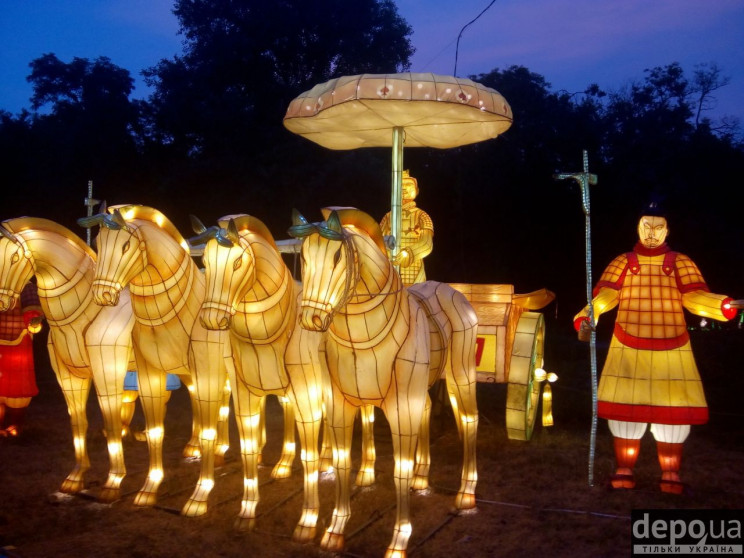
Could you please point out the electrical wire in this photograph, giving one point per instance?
(457, 48)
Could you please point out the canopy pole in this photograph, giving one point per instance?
(585, 179)
(396, 195)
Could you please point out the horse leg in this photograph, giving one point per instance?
(210, 376)
(283, 469)
(109, 368)
(304, 371)
(404, 426)
(191, 449)
(75, 390)
(326, 452)
(340, 419)
(461, 385)
(109, 343)
(308, 420)
(366, 474)
(128, 406)
(248, 411)
(423, 453)
(152, 396)
(223, 427)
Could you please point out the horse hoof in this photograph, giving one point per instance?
(71, 486)
(465, 501)
(191, 451)
(245, 524)
(194, 508)
(420, 483)
(145, 499)
(333, 542)
(281, 471)
(365, 478)
(303, 534)
(109, 495)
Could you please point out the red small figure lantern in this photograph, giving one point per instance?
(17, 374)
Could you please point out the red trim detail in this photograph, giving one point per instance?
(577, 322)
(611, 284)
(480, 343)
(652, 413)
(658, 251)
(650, 344)
(633, 264)
(694, 287)
(668, 266)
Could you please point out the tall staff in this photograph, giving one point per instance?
(585, 179)
(89, 203)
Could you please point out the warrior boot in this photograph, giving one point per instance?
(626, 455)
(670, 458)
(13, 421)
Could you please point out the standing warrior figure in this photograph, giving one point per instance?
(417, 234)
(650, 375)
(17, 375)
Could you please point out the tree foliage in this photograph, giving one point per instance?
(210, 141)
(244, 61)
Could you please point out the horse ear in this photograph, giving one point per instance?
(7, 234)
(232, 232)
(196, 224)
(297, 218)
(118, 218)
(102, 207)
(334, 222)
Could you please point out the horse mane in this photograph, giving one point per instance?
(20, 224)
(248, 222)
(130, 211)
(351, 216)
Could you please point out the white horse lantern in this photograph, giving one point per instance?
(251, 291)
(385, 345)
(86, 342)
(140, 248)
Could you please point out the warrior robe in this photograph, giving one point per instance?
(650, 373)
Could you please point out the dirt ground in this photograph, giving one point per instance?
(533, 497)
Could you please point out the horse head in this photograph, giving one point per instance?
(329, 269)
(121, 253)
(229, 268)
(16, 267)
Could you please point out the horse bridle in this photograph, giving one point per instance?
(331, 229)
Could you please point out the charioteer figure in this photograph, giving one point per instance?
(417, 234)
(650, 375)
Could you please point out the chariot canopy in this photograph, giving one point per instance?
(393, 110)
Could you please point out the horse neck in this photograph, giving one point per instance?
(378, 283)
(273, 279)
(169, 266)
(59, 264)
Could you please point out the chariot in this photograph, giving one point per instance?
(429, 110)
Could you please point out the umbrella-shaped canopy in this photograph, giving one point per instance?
(350, 112)
(382, 110)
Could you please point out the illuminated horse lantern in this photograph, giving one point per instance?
(385, 345)
(139, 248)
(251, 291)
(86, 342)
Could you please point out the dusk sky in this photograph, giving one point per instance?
(571, 43)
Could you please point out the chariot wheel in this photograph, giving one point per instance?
(522, 391)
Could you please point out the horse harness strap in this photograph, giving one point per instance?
(379, 337)
(267, 304)
(162, 288)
